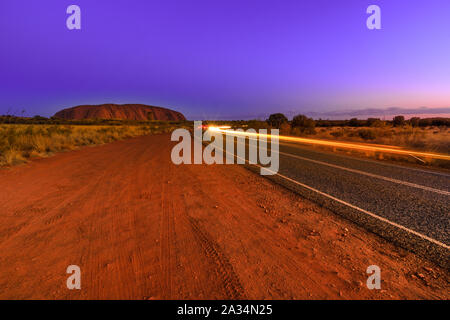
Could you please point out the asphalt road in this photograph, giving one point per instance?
(414, 198)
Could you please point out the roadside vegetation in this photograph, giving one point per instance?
(22, 142)
(432, 134)
(10, 119)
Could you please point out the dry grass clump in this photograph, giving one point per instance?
(19, 143)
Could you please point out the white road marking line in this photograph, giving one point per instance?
(350, 205)
(409, 184)
(365, 211)
(387, 164)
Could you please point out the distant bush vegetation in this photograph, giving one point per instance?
(277, 119)
(375, 122)
(306, 124)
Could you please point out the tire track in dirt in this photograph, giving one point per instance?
(129, 193)
(278, 246)
(167, 231)
(98, 272)
(224, 269)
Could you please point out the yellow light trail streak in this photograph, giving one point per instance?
(386, 149)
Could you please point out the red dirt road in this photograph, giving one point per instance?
(140, 227)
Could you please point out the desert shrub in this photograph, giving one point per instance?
(414, 121)
(337, 134)
(303, 121)
(305, 124)
(285, 129)
(371, 121)
(366, 134)
(377, 123)
(276, 120)
(354, 122)
(296, 131)
(398, 121)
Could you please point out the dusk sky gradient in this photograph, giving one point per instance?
(225, 59)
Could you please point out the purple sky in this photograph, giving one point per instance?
(225, 59)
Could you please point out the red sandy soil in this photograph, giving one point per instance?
(142, 228)
(124, 112)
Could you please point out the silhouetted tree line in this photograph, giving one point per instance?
(276, 120)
